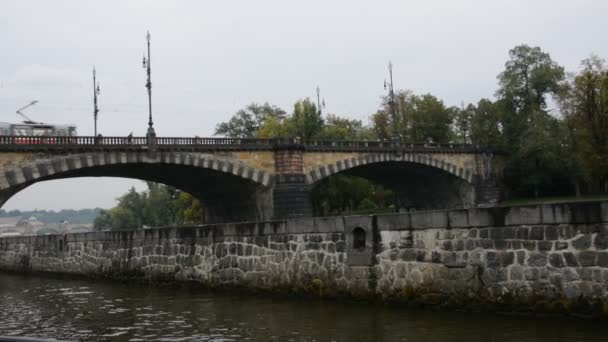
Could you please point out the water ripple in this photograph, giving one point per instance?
(103, 311)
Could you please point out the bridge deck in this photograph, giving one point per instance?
(88, 143)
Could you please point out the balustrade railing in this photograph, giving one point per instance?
(202, 142)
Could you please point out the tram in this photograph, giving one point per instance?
(37, 129)
(29, 131)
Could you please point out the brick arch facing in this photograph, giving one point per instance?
(325, 171)
(31, 172)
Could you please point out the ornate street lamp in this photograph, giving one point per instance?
(95, 109)
(392, 105)
(320, 104)
(146, 64)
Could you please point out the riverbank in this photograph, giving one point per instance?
(530, 259)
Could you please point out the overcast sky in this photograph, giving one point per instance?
(211, 58)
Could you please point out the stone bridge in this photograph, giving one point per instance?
(258, 179)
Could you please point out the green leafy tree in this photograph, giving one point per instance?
(158, 206)
(246, 122)
(339, 128)
(131, 209)
(538, 162)
(345, 194)
(123, 218)
(274, 127)
(431, 120)
(486, 124)
(306, 121)
(529, 132)
(585, 107)
(381, 125)
(188, 209)
(103, 221)
(159, 209)
(421, 118)
(530, 75)
(462, 123)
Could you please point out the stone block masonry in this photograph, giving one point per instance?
(260, 179)
(290, 193)
(548, 257)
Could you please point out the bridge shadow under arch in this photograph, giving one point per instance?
(228, 190)
(420, 184)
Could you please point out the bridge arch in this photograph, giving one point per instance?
(324, 171)
(418, 181)
(241, 187)
(31, 171)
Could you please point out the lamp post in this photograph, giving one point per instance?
(320, 104)
(319, 100)
(95, 108)
(391, 93)
(146, 64)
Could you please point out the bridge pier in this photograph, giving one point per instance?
(290, 194)
(488, 188)
(291, 197)
(488, 193)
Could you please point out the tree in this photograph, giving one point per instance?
(381, 125)
(421, 118)
(103, 221)
(462, 123)
(123, 218)
(188, 209)
(159, 205)
(338, 128)
(431, 120)
(274, 127)
(306, 121)
(344, 194)
(529, 133)
(538, 162)
(246, 122)
(529, 76)
(133, 203)
(159, 209)
(585, 107)
(485, 124)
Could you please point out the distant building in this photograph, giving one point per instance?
(8, 234)
(19, 225)
(9, 223)
(30, 225)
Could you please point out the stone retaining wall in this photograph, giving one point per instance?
(549, 257)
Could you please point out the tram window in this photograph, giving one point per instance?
(23, 131)
(40, 131)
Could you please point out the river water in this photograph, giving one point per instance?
(85, 310)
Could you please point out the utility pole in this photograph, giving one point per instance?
(95, 109)
(146, 64)
(392, 105)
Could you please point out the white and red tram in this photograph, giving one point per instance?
(29, 132)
